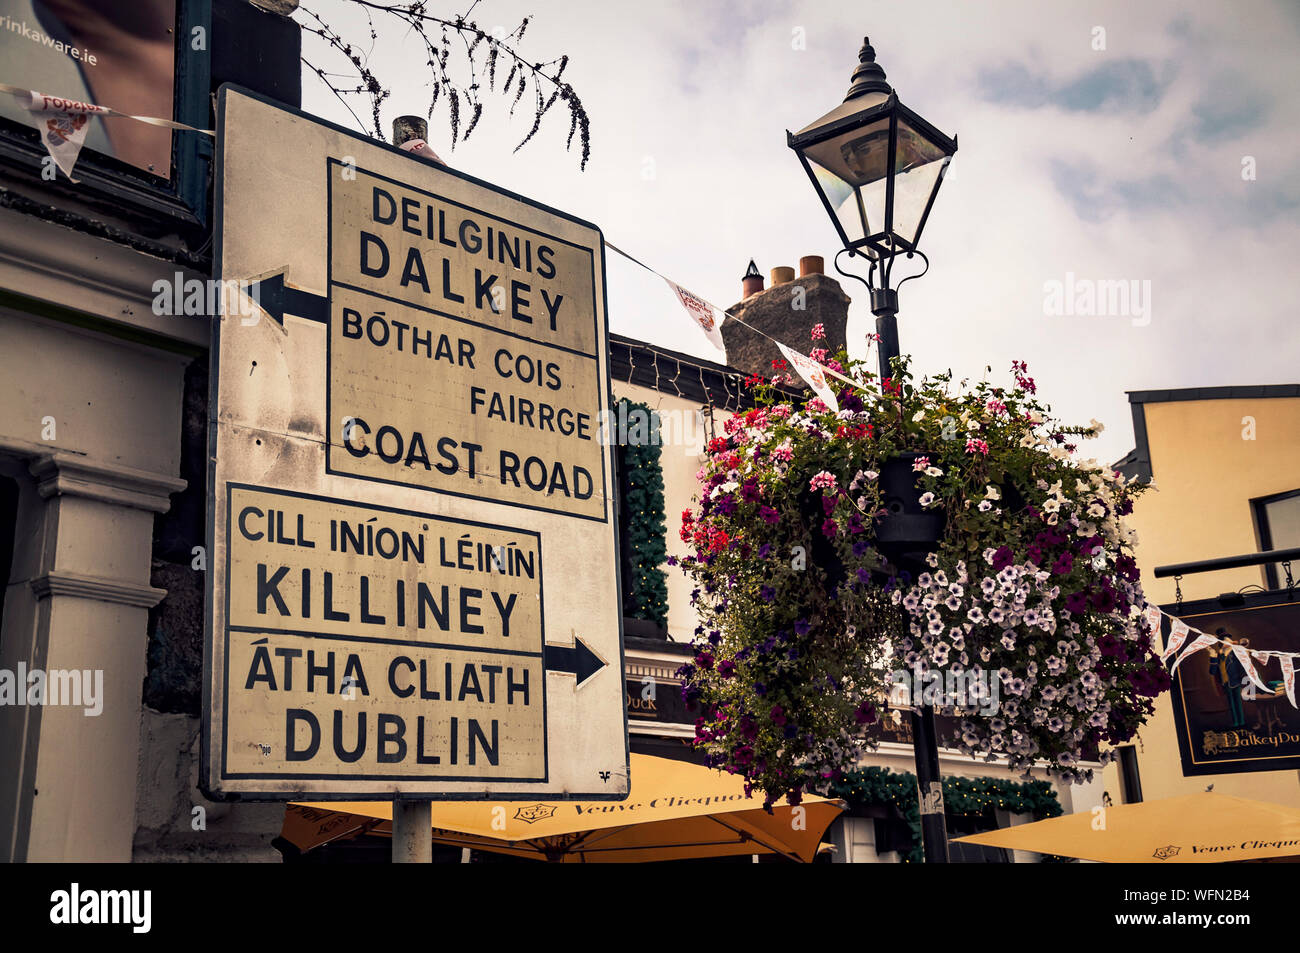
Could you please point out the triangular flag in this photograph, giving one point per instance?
(421, 148)
(1178, 631)
(701, 312)
(1153, 616)
(1244, 658)
(813, 373)
(1201, 641)
(1288, 677)
(63, 125)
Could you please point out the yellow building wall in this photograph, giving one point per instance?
(1209, 459)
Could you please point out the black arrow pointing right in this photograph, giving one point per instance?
(576, 659)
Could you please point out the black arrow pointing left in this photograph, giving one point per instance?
(277, 299)
(577, 659)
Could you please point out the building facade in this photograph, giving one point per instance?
(1225, 468)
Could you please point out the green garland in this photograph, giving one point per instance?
(961, 796)
(644, 482)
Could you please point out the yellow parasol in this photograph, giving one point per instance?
(676, 810)
(1203, 828)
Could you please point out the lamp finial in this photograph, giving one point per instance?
(869, 77)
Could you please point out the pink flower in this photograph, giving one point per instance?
(819, 332)
(816, 405)
(977, 446)
(920, 464)
(996, 407)
(822, 481)
(818, 354)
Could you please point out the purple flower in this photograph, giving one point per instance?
(829, 528)
(768, 593)
(778, 715)
(864, 714)
(726, 668)
(802, 627)
(765, 550)
(1003, 558)
(1076, 602)
(1064, 564)
(769, 515)
(860, 547)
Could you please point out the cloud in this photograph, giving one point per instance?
(1127, 85)
(1123, 164)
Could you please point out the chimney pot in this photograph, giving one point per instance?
(811, 265)
(752, 282)
(782, 275)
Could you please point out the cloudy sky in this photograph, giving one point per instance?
(1131, 162)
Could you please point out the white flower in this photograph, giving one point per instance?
(870, 474)
(1051, 505)
(985, 506)
(926, 499)
(933, 471)
(919, 415)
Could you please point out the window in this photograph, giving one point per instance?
(1277, 525)
(1130, 782)
(149, 58)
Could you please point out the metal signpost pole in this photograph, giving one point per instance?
(413, 832)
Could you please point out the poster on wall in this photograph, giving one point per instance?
(1225, 722)
(103, 52)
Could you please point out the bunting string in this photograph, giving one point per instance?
(1177, 644)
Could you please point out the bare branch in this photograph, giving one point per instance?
(481, 53)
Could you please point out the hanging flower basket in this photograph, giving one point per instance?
(928, 528)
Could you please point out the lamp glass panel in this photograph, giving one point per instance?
(912, 191)
(843, 201)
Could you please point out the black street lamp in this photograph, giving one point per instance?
(877, 167)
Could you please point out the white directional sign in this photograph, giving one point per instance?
(413, 565)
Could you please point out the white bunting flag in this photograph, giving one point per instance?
(1153, 616)
(701, 312)
(421, 148)
(63, 124)
(1200, 642)
(1288, 677)
(813, 373)
(1178, 632)
(1248, 667)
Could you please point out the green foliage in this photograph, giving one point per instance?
(644, 480)
(875, 786)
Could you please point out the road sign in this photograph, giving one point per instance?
(413, 561)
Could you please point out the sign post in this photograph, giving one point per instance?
(414, 591)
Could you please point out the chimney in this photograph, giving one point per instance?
(788, 311)
(752, 282)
